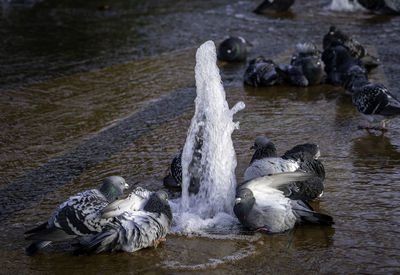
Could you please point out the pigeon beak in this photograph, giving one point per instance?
(318, 154)
(238, 200)
(253, 147)
(126, 186)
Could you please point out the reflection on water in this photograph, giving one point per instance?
(152, 47)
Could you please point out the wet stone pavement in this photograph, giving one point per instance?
(87, 93)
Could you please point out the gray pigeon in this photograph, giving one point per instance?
(382, 6)
(260, 205)
(273, 6)
(308, 58)
(262, 72)
(338, 66)
(233, 49)
(292, 75)
(375, 103)
(135, 225)
(264, 148)
(174, 177)
(79, 216)
(302, 157)
(336, 37)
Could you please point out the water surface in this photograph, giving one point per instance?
(87, 92)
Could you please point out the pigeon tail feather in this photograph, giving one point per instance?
(34, 247)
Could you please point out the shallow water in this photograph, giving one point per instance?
(87, 93)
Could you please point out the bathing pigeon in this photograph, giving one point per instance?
(381, 6)
(375, 103)
(135, 201)
(338, 64)
(232, 49)
(79, 216)
(308, 57)
(292, 75)
(264, 148)
(174, 177)
(133, 229)
(355, 77)
(261, 72)
(302, 157)
(274, 6)
(260, 205)
(336, 37)
(393, 5)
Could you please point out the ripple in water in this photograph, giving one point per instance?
(209, 159)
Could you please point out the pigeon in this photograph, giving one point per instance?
(264, 148)
(302, 157)
(376, 104)
(135, 225)
(336, 37)
(292, 75)
(393, 5)
(355, 77)
(308, 57)
(261, 72)
(372, 4)
(232, 49)
(135, 201)
(260, 205)
(273, 6)
(174, 177)
(381, 6)
(338, 64)
(79, 216)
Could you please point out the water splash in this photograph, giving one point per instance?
(344, 5)
(208, 159)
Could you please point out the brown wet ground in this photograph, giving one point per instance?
(129, 115)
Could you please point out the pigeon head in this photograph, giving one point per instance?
(356, 77)
(158, 203)
(232, 49)
(302, 152)
(244, 202)
(113, 187)
(264, 149)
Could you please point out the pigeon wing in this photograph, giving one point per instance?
(276, 180)
(129, 232)
(80, 215)
(135, 201)
(266, 166)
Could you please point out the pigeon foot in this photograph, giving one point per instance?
(158, 241)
